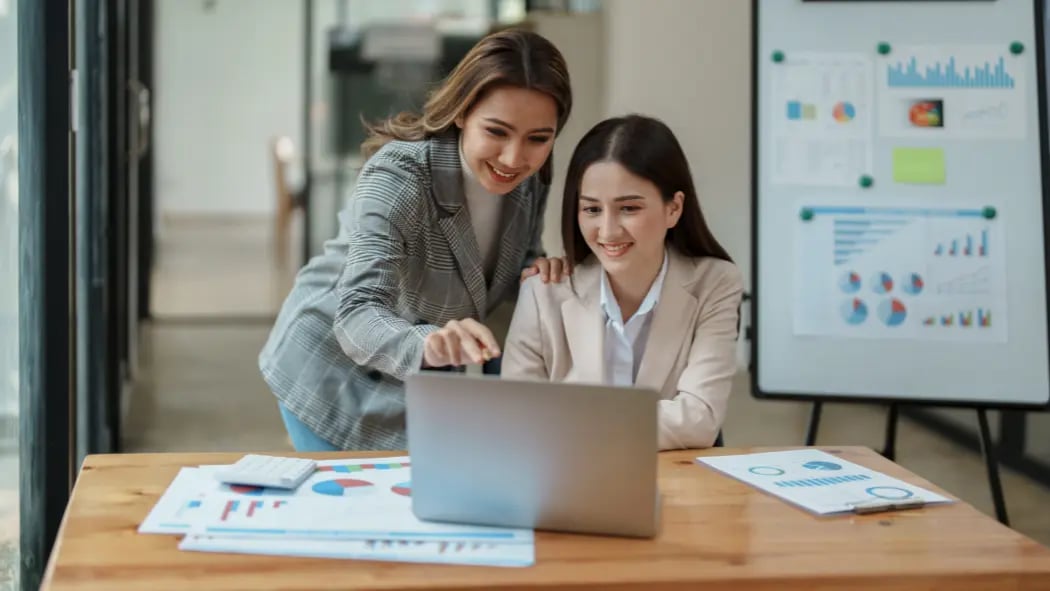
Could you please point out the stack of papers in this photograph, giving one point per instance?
(818, 481)
(359, 509)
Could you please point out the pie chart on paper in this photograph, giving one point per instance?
(882, 283)
(843, 112)
(914, 284)
(850, 282)
(892, 312)
(854, 311)
(817, 465)
(342, 487)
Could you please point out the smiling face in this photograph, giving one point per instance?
(624, 220)
(507, 136)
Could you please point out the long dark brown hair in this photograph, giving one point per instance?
(513, 57)
(648, 149)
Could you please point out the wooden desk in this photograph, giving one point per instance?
(717, 533)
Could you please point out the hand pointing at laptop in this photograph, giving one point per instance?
(460, 342)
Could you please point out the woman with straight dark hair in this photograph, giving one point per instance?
(446, 214)
(653, 298)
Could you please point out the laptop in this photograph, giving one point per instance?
(542, 455)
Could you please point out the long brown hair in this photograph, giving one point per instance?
(512, 57)
(647, 148)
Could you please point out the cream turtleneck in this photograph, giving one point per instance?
(485, 209)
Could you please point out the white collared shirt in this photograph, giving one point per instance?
(625, 342)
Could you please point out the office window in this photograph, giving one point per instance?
(9, 569)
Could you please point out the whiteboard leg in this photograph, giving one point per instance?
(814, 424)
(991, 462)
(889, 448)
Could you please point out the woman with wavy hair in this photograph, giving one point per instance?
(444, 222)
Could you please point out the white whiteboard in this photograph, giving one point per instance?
(898, 213)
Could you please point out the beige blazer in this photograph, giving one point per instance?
(690, 357)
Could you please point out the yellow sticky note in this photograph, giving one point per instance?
(918, 165)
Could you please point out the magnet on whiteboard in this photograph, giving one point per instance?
(806, 214)
(778, 56)
(988, 212)
(883, 48)
(866, 181)
(1016, 47)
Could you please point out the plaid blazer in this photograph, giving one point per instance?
(405, 262)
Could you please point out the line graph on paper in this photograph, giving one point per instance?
(977, 282)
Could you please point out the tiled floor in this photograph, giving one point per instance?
(8, 518)
(219, 267)
(201, 390)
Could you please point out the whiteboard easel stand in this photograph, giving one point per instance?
(889, 450)
(770, 44)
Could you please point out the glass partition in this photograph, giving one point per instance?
(9, 566)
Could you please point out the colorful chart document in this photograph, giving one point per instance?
(476, 553)
(347, 509)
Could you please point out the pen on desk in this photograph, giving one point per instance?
(881, 505)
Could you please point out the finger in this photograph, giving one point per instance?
(543, 266)
(453, 347)
(468, 344)
(438, 352)
(556, 270)
(566, 267)
(529, 273)
(484, 336)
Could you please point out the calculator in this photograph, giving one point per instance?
(268, 471)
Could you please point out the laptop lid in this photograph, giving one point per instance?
(558, 456)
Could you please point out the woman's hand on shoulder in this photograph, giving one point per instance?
(554, 269)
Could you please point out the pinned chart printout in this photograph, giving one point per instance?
(818, 481)
(952, 92)
(820, 107)
(936, 273)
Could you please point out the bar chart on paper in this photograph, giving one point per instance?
(949, 74)
(964, 246)
(900, 272)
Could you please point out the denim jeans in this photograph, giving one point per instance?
(302, 437)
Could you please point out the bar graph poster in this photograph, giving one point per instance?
(821, 112)
(952, 92)
(901, 272)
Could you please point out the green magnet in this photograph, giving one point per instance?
(866, 181)
(988, 212)
(806, 214)
(884, 48)
(778, 56)
(1016, 47)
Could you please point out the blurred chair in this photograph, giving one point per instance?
(282, 150)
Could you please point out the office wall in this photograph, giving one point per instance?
(688, 63)
(581, 40)
(228, 78)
